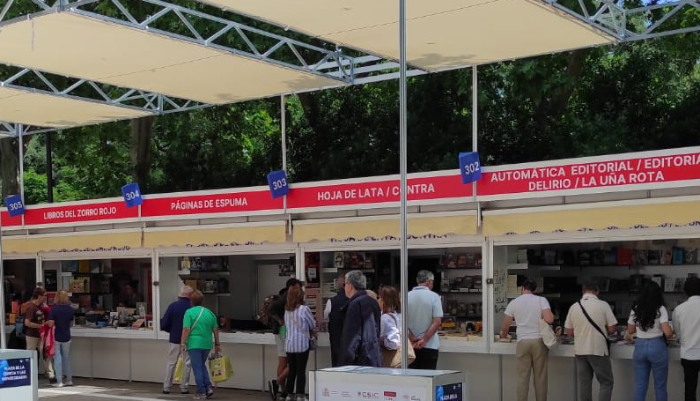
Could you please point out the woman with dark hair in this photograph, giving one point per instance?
(649, 319)
(390, 323)
(301, 326)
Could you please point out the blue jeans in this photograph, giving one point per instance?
(650, 355)
(61, 361)
(198, 360)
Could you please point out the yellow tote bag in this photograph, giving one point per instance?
(178, 371)
(220, 369)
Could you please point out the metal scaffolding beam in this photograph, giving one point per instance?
(631, 24)
(212, 31)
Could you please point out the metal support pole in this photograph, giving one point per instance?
(20, 141)
(403, 149)
(475, 118)
(3, 339)
(283, 119)
(49, 168)
(283, 123)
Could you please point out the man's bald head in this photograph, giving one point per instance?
(186, 291)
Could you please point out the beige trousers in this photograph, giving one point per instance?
(34, 343)
(532, 356)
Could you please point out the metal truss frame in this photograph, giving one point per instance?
(632, 24)
(332, 64)
(28, 80)
(280, 50)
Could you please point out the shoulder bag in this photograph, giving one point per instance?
(391, 358)
(548, 336)
(595, 326)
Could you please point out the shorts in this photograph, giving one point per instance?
(281, 353)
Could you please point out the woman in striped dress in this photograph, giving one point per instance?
(301, 327)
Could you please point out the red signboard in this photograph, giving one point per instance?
(628, 172)
(7, 221)
(601, 174)
(79, 213)
(229, 202)
(380, 192)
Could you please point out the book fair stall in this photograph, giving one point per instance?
(236, 247)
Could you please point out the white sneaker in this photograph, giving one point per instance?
(57, 385)
(68, 384)
(302, 398)
(290, 397)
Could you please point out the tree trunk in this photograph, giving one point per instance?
(141, 134)
(9, 163)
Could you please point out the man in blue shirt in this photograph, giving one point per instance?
(424, 319)
(172, 323)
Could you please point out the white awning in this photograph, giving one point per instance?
(73, 45)
(440, 34)
(44, 110)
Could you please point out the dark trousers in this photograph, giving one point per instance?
(297, 372)
(334, 337)
(426, 358)
(690, 371)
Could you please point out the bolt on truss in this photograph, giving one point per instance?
(31, 80)
(651, 20)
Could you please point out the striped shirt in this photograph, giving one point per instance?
(299, 323)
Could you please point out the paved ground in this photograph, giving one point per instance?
(109, 390)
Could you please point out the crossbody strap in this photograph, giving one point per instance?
(197, 320)
(594, 324)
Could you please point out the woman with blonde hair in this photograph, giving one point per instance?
(62, 317)
(301, 327)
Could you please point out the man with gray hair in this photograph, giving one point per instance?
(424, 319)
(359, 341)
(172, 323)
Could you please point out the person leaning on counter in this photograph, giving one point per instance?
(586, 321)
(531, 353)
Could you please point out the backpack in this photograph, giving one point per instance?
(20, 328)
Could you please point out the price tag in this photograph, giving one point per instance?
(277, 180)
(14, 205)
(469, 167)
(132, 195)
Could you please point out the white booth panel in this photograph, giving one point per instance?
(110, 358)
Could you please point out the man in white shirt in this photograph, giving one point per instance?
(424, 314)
(686, 324)
(530, 351)
(591, 344)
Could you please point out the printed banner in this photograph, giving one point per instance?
(608, 172)
(15, 372)
(79, 213)
(232, 202)
(377, 192)
(627, 172)
(449, 392)
(355, 391)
